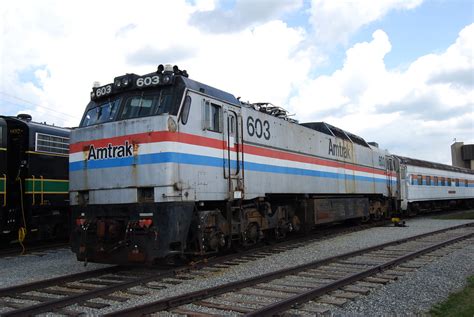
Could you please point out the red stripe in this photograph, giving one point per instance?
(151, 137)
(249, 149)
(164, 136)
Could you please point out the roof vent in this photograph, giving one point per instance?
(25, 117)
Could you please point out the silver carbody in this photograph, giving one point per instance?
(423, 181)
(188, 162)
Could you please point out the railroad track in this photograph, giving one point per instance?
(304, 288)
(71, 295)
(119, 283)
(34, 249)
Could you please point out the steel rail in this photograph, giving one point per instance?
(188, 298)
(286, 304)
(33, 286)
(81, 297)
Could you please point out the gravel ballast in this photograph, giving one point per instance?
(34, 267)
(21, 269)
(416, 292)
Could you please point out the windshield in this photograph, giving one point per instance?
(138, 106)
(146, 105)
(103, 113)
(133, 105)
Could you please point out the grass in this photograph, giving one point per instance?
(459, 304)
(469, 214)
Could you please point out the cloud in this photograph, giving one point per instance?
(244, 14)
(458, 77)
(136, 39)
(346, 87)
(427, 103)
(249, 51)
(125, 29)
(335, 21)
(149, 55)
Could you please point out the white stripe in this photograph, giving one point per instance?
(159, 147)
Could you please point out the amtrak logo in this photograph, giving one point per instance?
(339, 150)
(110, 151)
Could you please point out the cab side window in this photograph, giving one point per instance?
(212, 117)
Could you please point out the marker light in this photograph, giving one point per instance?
(80, 221)
(145, 223)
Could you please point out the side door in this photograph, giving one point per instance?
(3, 164)
(233, 151)
(389, 173)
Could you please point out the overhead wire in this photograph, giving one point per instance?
(36, 105)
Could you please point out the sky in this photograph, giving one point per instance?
(397, 72)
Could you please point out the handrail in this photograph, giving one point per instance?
(42, 190)
(4, 190)
(33, 190)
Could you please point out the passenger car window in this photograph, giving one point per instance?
(420, 180)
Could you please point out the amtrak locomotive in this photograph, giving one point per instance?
(163, 167)
(34, 184)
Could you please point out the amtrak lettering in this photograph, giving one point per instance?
(339, 150)
(111, 151)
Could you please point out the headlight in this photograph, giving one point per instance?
(166, 79)
(118, 83)
(92, 94)
(125, 81)
(172, 127)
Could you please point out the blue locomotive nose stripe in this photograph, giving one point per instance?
(155, 158)
(181, 158)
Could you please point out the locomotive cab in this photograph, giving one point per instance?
(133, 190)
(118, 197)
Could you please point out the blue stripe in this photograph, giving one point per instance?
(181, 158)
(155, 158)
